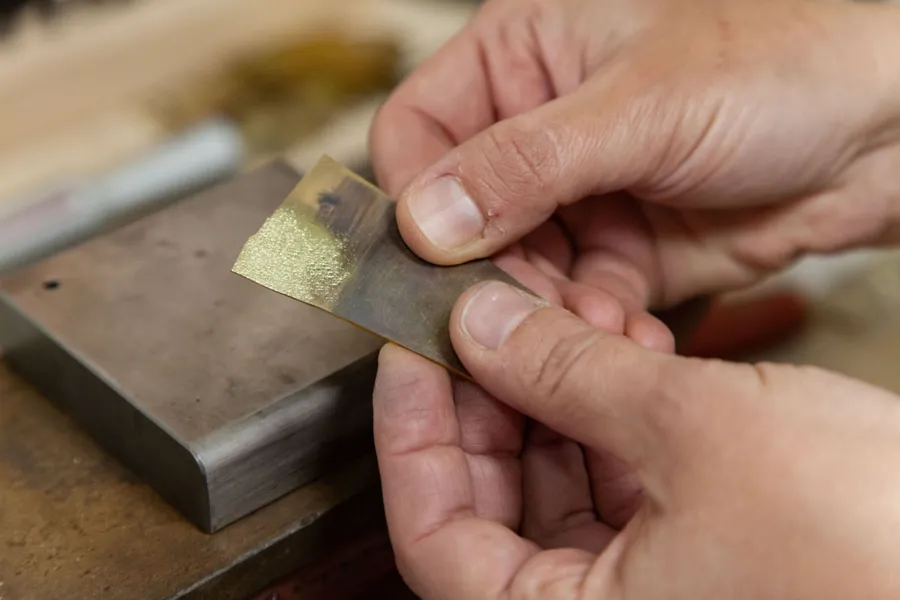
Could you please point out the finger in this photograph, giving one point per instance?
(617, 250)
(491, 438)
(517, 266)
(444, 102)
(616, 489)
(596, 306)
(490, 71)
(504, 182)
(605, 311)
(558, 506)
(601, 390)
(429, 498)
(649, 332)
(549, 248)
(417, 436)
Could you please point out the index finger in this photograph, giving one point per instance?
(444, 102)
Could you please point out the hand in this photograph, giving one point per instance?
(764, 481)
(642, 152)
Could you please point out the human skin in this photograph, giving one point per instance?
(621, 156)
(598, 143)
(765, 481)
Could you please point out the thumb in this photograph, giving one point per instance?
(601, 390)
(504, 182)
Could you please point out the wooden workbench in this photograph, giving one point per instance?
(75, 524)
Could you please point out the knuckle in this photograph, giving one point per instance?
(561, 362)
(558, 573)
(685, 392)
(774, 377)
(516, 161)
(485, 426)
(394, 381)
(401, 398)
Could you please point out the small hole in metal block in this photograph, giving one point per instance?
(51, 284)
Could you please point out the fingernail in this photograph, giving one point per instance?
(445, 214)
(494, 312)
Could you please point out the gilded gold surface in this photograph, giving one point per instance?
(294, 255)
(334, 244)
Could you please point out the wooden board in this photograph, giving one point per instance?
(75, 524)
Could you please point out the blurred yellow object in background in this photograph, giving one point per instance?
(281, 95)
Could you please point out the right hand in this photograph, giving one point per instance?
(652, 150)
(759, 482)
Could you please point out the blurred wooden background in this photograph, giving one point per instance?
(75, 94)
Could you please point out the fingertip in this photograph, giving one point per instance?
(438, 219)
(530, 276)
(451, 212)
(651, 333)
(487, 314)
(412, 402)
(388, 353)
(402, 374)
(459, 307)
(596, 307)
(392, 356)
(414, 238)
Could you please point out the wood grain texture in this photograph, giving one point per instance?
(76, 524)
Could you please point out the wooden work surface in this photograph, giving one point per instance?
(74, 524)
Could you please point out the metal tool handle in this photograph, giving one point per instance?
(66, 215)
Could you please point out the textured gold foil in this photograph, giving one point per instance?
(295, 256)
(334, 244)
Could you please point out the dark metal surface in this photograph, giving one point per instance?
(334, 244)
(216, 392)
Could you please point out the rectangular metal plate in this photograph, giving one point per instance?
(218, 393)
(334, 244)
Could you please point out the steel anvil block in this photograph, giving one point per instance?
(220, 394)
